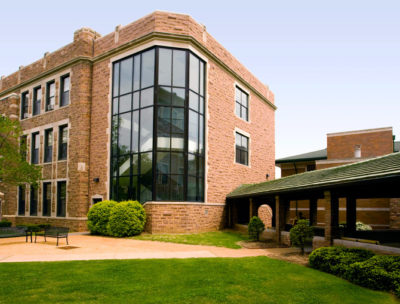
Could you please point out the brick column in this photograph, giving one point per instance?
(351, 213)
(331, 216)
(313, 211)
(395, 213)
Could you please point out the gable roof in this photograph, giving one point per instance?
(383, 166)
(317, 155)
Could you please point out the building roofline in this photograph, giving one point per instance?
(360, 131)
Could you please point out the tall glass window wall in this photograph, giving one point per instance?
(158, 126)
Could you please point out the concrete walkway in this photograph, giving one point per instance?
(87, 247)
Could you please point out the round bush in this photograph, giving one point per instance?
(337, 260)
(397, 291)
(380, 272)
(98, 217)
(126, 219)
(301, 233)
(256, 226)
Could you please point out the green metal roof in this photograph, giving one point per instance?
(314, 155)
(384, 166)
(317, 155)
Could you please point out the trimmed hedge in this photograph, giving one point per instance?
(5, 223)
(380, 273)
(255, 227)
(98, 217)
(336, 260)
(126, 219)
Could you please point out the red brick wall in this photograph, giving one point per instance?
(372, 144)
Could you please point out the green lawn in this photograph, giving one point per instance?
(216, 238)
(215, 280)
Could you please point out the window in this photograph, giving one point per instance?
(22, 146)
(21, 200)
(242, 104)
(50, 95)
(35, 148)
(311, 167)
(63, 142)
(64, 90)
(24, 105)
(242, 149)
(61, 198)
(158, 126)
(48, 145)
(34, 201)
(37, 97)
(357, 151)
(46, 210)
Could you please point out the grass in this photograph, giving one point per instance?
(216, 238)
(216, 280)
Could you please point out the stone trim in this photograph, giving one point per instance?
(360, 131)
(182, 203)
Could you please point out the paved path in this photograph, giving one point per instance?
(87, 247)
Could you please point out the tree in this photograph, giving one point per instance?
(300, 233)
(256, 226)
(14, 169)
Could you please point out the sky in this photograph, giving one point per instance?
(333, 65)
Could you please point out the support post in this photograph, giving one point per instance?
(331, 216)
(313, 211)
(251, 208)
(351, 214)
(279, 217)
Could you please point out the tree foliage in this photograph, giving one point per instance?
(14, 169)
(300, 233)
(255, 227)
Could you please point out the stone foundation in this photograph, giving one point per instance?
(184, 217)
(73, 224)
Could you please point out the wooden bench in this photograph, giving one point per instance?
(9, 232)
(56, 232)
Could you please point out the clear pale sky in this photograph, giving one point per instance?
(333, 65)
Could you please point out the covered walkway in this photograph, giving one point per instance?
(374, 178)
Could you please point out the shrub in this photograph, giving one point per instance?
(380, 273)
(300, 233)
(360, 226)
(336, 260)
(397, 291)
(126, 219)
(98, 217)
(31, 227)
(256, 226)
(5, 223)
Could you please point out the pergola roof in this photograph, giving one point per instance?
(372, 169)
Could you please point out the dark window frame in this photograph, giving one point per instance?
(36, 103)
(200, 177)
(34, 200)
(240, 151)
(61, 202)
(24, 105)
(46, 204)
(48, 150)
(35, 151)
(243, 108)
(62, 147)
(50, 106)
(21, 199)
(64, 101)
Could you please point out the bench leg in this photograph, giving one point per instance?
(45, 238)
(67, 240)
(57, 241)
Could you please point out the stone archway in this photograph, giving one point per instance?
(265, 214)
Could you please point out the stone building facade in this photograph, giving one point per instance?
(346, 148)
(156, 111)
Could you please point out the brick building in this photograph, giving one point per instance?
(345, 148)
(156, 111)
